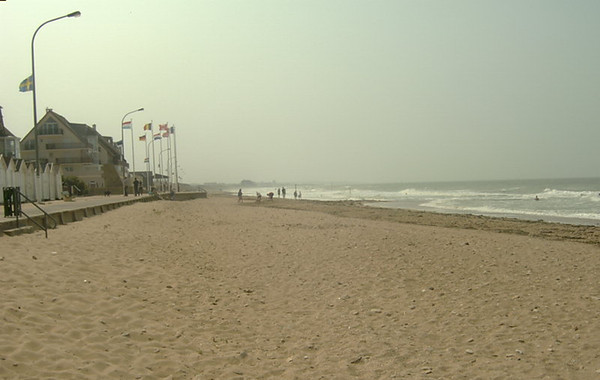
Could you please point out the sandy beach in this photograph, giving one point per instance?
(213, 289)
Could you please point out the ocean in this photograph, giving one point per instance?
(572, 201)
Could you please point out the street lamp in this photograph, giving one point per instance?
(162, 180)
(34, 85)
(123, 145)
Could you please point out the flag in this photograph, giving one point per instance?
(127, 124)
(148, 127)
(166, 134)
(163, 127)
(172, 130)
(146, 159)
(143, 138)
(26, 84)
(157, 136)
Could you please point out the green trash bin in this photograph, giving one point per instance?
(12, 201)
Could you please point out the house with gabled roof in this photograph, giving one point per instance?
(9, 143)
(79, 149)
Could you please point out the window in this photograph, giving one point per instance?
(50, 127)
(29, 144)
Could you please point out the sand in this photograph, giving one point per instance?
(211, 289)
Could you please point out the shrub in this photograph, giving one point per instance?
(79, 187)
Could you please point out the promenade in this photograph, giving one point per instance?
(64, 212)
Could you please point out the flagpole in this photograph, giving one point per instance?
(123, 145)
(147, 161)
(123, 157)
(169, 175)
(133, 152)
(175, 154)
(160, 165)
(153, 152)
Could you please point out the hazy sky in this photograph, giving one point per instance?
(323, 90)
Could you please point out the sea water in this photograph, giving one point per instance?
(573, 201)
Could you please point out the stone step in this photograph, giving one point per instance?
(19, 231)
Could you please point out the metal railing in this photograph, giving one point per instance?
(12, 207)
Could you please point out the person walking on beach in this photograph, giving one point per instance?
(283, 192)
(279, 193)
(240, 196)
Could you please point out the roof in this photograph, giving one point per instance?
(82, 131)
(4, 132)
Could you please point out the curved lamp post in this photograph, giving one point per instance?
(35, 131)
(123, 145)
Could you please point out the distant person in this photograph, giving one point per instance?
(279, 193)
(136, 187)
(240, 199)
(295, 194)
(270, 194)
(299, 195)
(283, 192)
(258, 196)
(536, 198)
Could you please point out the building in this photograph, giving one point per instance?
(9, 143)
(80, 151)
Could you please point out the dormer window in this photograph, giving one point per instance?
(50, 127)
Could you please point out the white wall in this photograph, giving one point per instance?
(46, 186)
